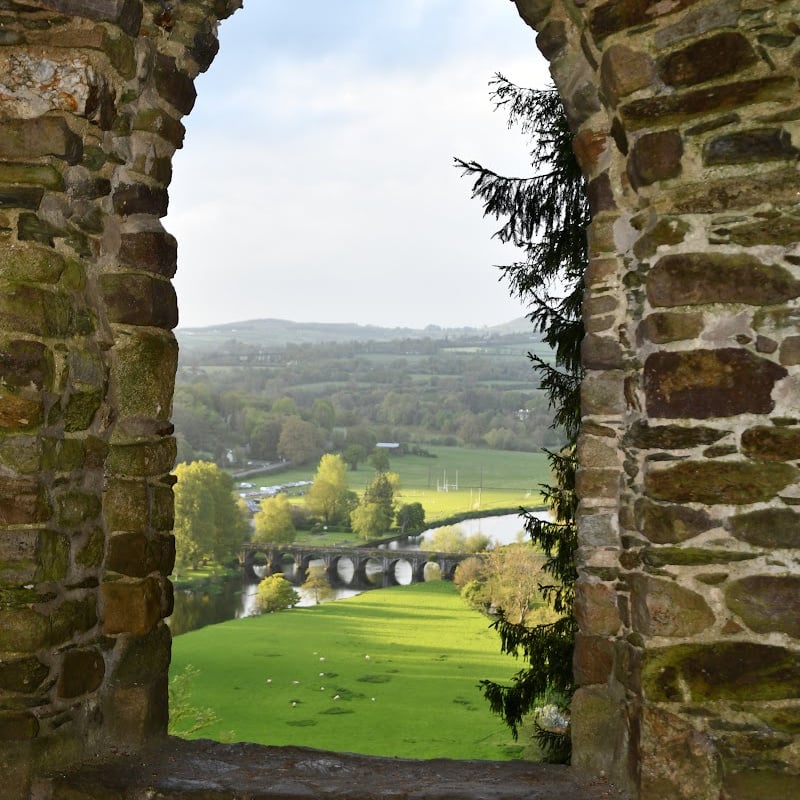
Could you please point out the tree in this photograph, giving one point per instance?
(379, 460)
(274, 522)
(369, 520)
(546, 217)
(208, 523)
(353, 454)
(317, 584)
(327, 496)
(298, 440)
(275, 593)
(411, 516)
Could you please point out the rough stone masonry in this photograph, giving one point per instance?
(687, 122)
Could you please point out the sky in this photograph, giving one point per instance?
(316, 182)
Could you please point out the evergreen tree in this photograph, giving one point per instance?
(545, 216)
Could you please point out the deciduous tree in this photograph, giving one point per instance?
(208, 523)
(274, 522)
(327, 497)
(317, 584)
(411, 517)
(275, 593)
(298, 440)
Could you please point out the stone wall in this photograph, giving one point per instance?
(91, 100)
(687, 115)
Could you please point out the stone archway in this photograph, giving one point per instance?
(685, 115)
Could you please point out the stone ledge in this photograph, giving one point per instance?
(212, 771)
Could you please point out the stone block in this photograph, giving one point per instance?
(748, 783)
(708, 18)
(134, 554)
(593, 660)
(624, 71)
(18, 725)
(80, 410)
(617, 15)
(767, 603)
(598, 730)
(29, 197)
(37, 311)
(664, 608)
(598, 483)
(596, 610)
(683, 107)
(163, 508)
(678, 761)
(772, 443)
(158, 122)
(552, 38)
(657, 557)
(24, 139)
(783, 230)
(91, 552)
(153, 251)
(716, 196)
(139, 299)
(708, 59)
(703, 278)
(22, 630)
(600, 194)
(143, 459)
(790, 351)
(601, 352)
(82, 671)
(72, 618)
(127, 14)
(666, 231)
(750, 147)
(73, 508)
(23, 501)
(597, 530)
(772, 528)
(142, 659)
(655, 157)
(139, 198)
(670, 437)
(588, 146)
(175, 86)
(143, 373)
(602, 393)
(131, 606)
(702, 384)
(664, 326)
(715, 482)
(137, 714)
(22, 675)
(708, 672)
(125, 505)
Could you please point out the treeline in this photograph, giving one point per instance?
(241, 402)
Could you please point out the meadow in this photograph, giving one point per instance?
(392, 672)
(486, 480)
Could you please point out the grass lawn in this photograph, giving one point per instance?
(390, 672)
(487, 479)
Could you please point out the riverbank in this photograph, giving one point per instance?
(391, 672)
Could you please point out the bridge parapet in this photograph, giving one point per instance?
(275, 556)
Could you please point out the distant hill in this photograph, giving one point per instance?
(278, 332)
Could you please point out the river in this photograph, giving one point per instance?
(232, 598)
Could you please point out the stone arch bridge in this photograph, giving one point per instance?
(302, 555)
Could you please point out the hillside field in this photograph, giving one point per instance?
(487, 479)
(391, 672)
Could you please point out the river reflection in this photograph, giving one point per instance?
(233, 598)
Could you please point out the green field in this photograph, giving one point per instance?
(487, 479)
(390, 672)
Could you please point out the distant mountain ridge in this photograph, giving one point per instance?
(279, 332)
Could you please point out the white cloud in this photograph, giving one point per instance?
(330, 193)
